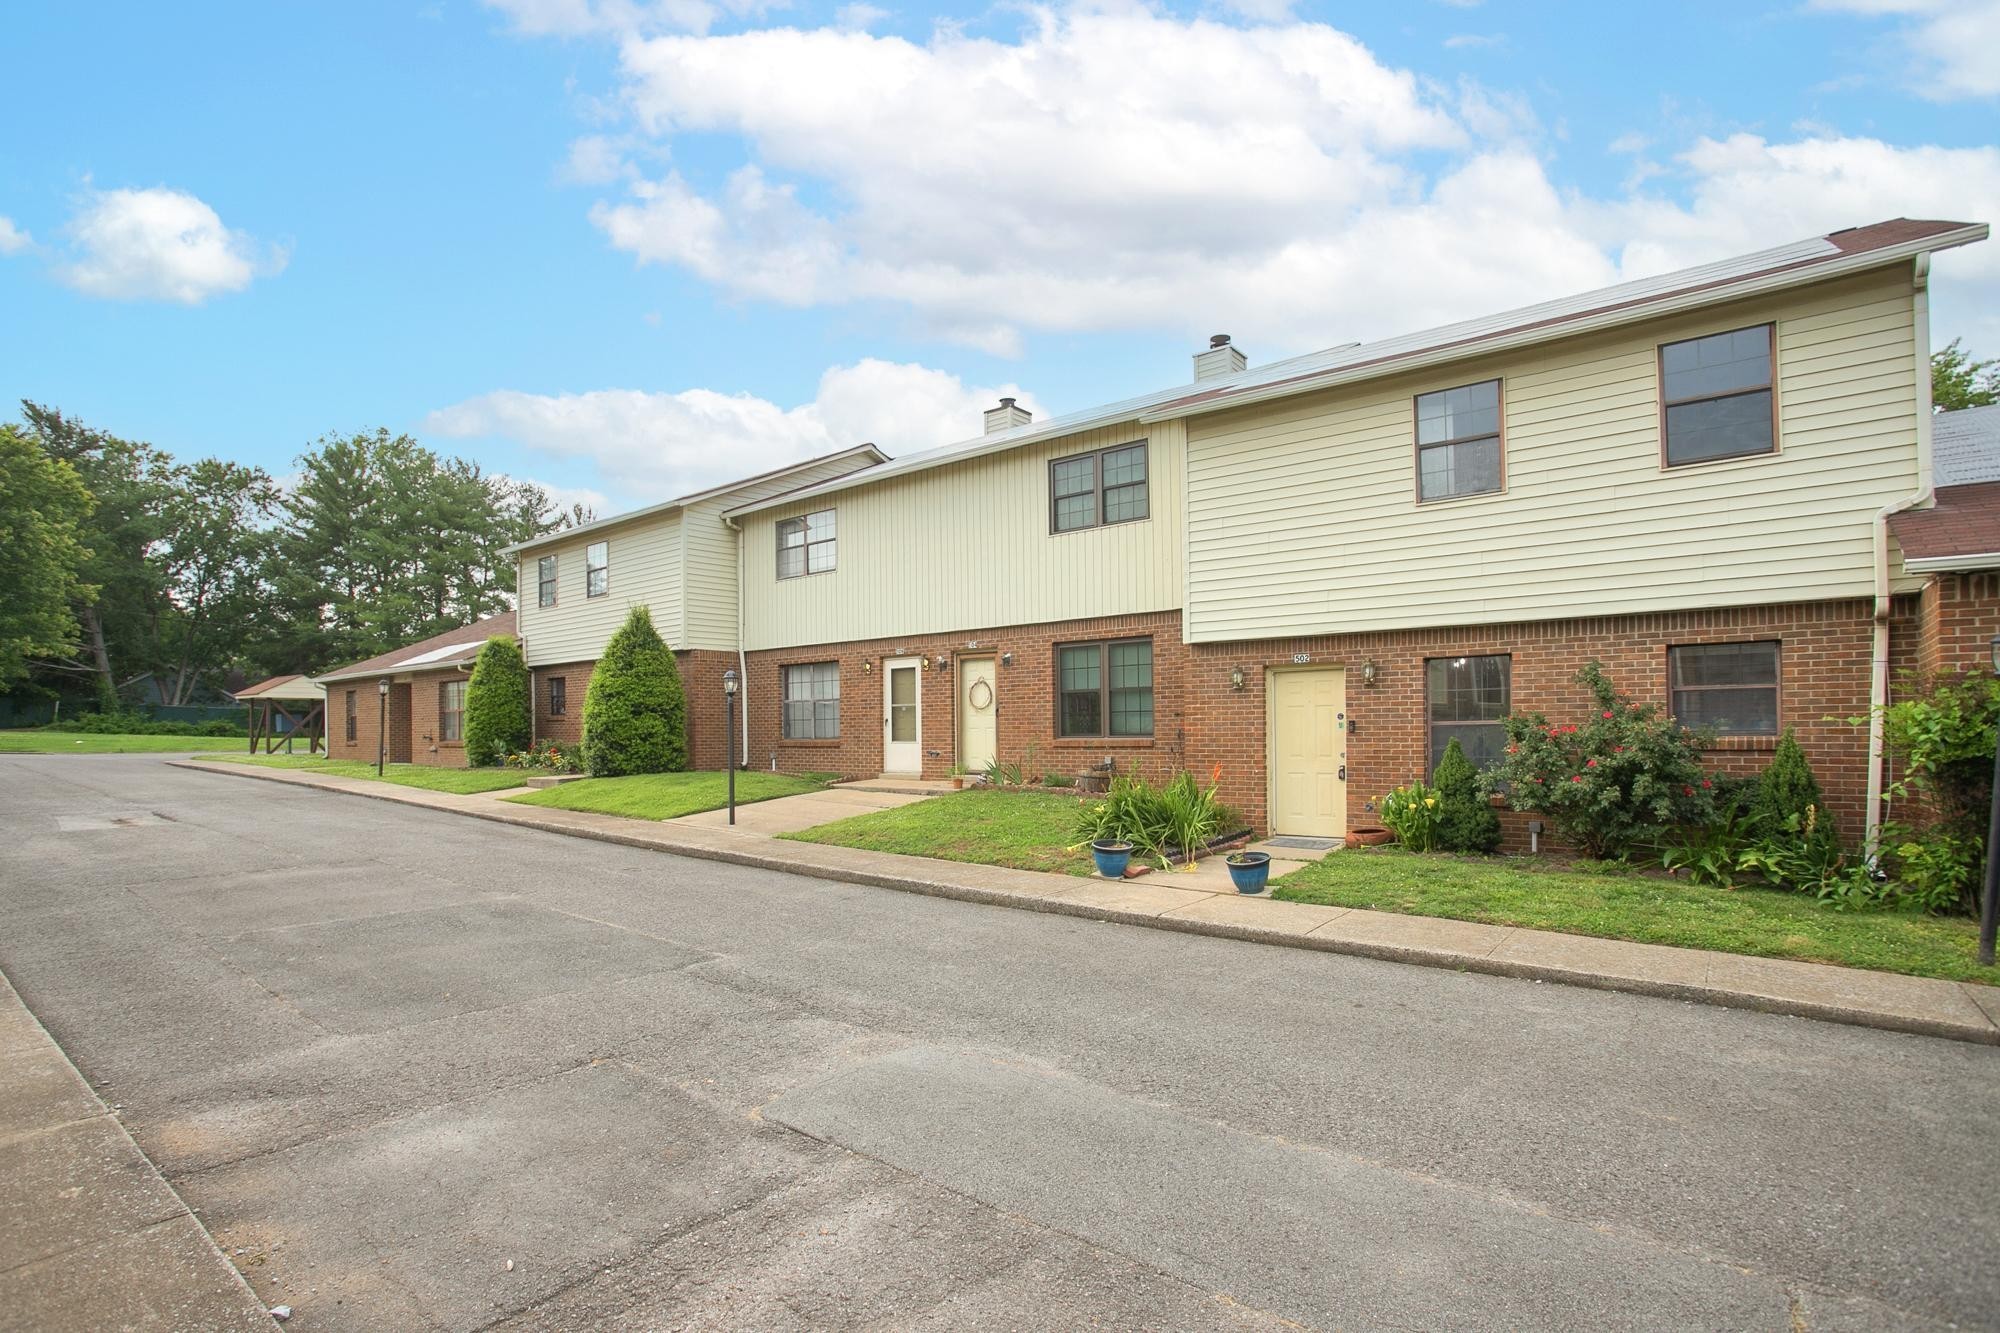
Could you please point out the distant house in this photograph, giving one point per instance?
(1726, 483)
(412, 698)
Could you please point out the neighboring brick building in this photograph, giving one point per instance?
(423, 703)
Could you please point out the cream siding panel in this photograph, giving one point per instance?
(645, 571)
(1302, 516)
(968, 547)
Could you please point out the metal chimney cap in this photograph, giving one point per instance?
(1218, 340)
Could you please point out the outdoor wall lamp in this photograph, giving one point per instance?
(867, 668)
(943, 663)
(1368, 672)
(1006, 659)
(1236, 679)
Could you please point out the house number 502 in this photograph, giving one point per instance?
(1302, 658)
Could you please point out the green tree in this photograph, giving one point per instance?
(1958, 381)
(1788, 797)
(212, 560)
(634, 713)
(43, 509)
(496, 703)
(1466, 819)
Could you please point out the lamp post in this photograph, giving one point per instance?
(729, 695)
(1989, 903)
(382, 725)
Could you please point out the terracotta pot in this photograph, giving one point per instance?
(1370, 837)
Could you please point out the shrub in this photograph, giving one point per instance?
(1943, 738)
(1180, 817)
(1618, 781)
(1055, 779)
(1466, 818)
(1412, 813)
(548, 757)
(496, 703)
(138, 724)
(634, 713)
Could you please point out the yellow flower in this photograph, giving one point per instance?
(1430, 800)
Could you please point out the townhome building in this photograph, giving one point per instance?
(1310, 576)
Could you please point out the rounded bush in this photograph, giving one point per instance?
(635, 713)
(496, 703)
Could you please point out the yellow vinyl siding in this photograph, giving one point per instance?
(645, 571)
(1302, 515)
(968, 546)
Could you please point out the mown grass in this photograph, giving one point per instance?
(1623, 904)
(1028, 830)
(463, 781)
(73, 742)
(670, 795)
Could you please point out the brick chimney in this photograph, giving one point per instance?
(1220, 359)
(1007, 416)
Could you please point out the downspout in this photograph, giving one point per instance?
(1878, 684)
(742, 663)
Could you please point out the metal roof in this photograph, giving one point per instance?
(1965, 446)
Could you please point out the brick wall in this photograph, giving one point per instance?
(425, 728)
(1960, 616)
(566, 727)
(1823, 667)
(701, 680)
(1024, 687)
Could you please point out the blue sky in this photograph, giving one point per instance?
(632, 247)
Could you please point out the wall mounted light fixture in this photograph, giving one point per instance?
(1236, 679)
(867, 667)
(943, 663)
(1006, 659)
(1368, 672)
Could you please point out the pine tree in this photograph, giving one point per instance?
(1466, 821)
(634, 713)
(496, 703)
(1788, 791)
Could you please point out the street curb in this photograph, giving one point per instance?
(1693, 992)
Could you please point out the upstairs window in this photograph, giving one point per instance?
(1466, 699)
(812, 701)
(451, 710)
(1732, 687)
(1715, 397)
(1458, 442)
(597, 569)
(545, 578)
(1092, 490)
(1105, 689)
(806, 545)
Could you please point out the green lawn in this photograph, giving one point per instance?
(1028, 830)
(464, 781)
(1625, 905)
(670, 795)
(71, 742)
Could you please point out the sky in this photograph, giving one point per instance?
(632, 248)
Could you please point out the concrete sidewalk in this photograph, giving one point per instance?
(90, 1235)
(1961, 1011)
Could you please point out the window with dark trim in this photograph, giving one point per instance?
(597, 569)
(545, 578)
(1466, 699)
(1094, 490)
(1732, 687)
(1105, 689)
(1715, 396)
(806, 545)
(558, 695)
(451, 710)
(1458, 442)
(811, 701)
(350, 717)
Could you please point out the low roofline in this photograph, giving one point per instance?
(681, 502)
(1953, 564)
(400, 668)
(1816, 259)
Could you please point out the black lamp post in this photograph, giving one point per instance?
(1989, 904)
(729, 694)
(382, 725)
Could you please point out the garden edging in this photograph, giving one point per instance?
(1960, 1011)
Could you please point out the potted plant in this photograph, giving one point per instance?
(1112, 855)
(958, 776)
(1249, 871)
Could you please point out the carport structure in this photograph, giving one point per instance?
(282, 709)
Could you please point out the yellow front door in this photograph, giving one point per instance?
(978, 714)
(1308, 724)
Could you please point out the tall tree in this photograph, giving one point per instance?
(212, 559)
(43, 509)
(1959, 381)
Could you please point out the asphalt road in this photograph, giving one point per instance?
(383, 1051)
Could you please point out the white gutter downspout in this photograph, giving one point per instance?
(1878, 684)
(742, 664)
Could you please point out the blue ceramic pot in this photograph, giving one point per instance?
(1249, 871)
(1112, 857)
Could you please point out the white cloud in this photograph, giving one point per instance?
(1463, 40)
(1954, 44)
(619, 18)
(650, 446)
(13, 240)
(594, 159)
(857, 17)
(159, 245)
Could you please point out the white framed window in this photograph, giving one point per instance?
(1458, 442)
(597, 569)
(545, 580)
(812, 701)
(806, 545)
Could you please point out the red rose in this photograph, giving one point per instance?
(1577, 778)
(1607, 712)
(1590, 763)
(1706, 783)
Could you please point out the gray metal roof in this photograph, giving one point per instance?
(1965, 446)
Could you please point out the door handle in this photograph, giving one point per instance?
(1343, 772)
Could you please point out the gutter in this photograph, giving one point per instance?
(1924, 495)
(1954, 564)
(742, 663)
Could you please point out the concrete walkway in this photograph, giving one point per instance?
(1172, 901)
(87, 1226)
